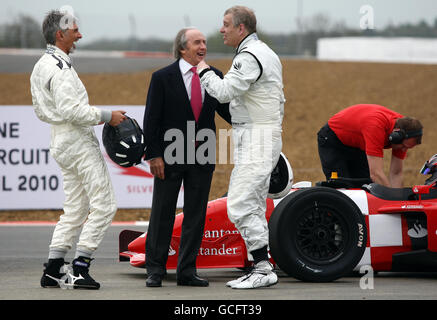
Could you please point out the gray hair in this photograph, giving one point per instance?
(55, 21)
(180, 42)
(243, 15)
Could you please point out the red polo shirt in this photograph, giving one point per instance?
(367, 127)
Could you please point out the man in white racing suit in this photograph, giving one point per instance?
(254, 88)
(60, 99)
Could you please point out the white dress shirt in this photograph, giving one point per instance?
(187, 75)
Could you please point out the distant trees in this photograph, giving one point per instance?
(25, 32)
(320, 26)
(421, 29)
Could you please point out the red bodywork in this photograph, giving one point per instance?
(381, 257)
(223, 247)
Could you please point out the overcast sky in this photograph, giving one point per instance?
(163, 18)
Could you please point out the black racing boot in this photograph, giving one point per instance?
(52, 273)
(81, 278)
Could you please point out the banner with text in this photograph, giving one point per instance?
(31, 179)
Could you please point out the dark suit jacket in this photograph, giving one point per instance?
(168, 107)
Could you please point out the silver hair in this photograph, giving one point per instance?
(180, 42)
(55, 21)
(243, 15)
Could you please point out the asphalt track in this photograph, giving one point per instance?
(24, 249)
(97, 62)
(88, 63)
(24, 64)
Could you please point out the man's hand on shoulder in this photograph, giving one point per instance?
(202, 66)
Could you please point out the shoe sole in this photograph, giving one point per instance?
(85, 287)
(74, 287)
(50, 287)
(153, 285)
(251, 288)
(189, 284)
(269, 285)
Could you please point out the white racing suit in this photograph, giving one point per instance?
(60, 99)
(254, 88)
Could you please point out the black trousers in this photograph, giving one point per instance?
(347, 161)
(197, 183)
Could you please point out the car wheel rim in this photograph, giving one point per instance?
(321, 234)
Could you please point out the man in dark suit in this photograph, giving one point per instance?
(177, 103)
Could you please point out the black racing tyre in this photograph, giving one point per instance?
(317, 234)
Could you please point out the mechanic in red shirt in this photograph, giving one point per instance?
(352, 143)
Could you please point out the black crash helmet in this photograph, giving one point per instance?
(281, 179)
(430, 167)
(124, 143)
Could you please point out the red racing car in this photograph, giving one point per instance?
(322, 233)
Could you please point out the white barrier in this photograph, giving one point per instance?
(378, 49)
(30, 177)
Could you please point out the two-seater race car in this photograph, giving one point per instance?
(324, 232)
